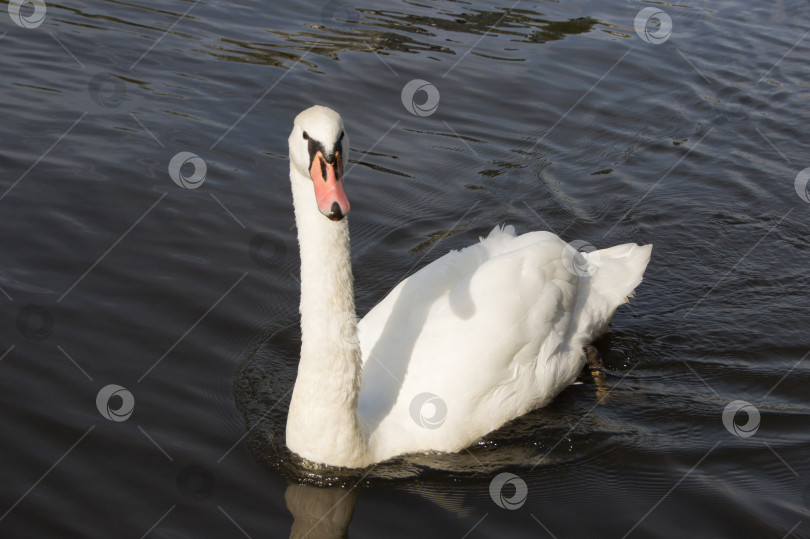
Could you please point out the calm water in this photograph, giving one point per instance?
(550, 115)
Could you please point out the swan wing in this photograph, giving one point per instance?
(479, 337)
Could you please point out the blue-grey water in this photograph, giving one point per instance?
(678, 124)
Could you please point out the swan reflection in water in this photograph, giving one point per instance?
(325, 512)
(320, 513)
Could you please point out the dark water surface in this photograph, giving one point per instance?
(551, 115)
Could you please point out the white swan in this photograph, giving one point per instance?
(467, 343)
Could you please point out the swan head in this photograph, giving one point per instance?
(319, 151)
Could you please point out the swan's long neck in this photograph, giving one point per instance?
(323, 424)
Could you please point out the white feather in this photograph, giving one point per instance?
(478, 337)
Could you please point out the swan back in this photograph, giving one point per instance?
(484, 335)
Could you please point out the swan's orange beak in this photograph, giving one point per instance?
(328, 181)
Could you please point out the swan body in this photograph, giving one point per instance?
(462, 346)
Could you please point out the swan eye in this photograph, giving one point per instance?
(306, 137)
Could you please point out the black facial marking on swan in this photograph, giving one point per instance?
(314, 146)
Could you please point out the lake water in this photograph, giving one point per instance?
(150, 306)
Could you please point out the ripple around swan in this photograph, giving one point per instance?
(553, 115)
(569, 430)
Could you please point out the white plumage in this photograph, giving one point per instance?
(467, 343)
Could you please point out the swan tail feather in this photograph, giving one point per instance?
(616, 272)
(620, 270)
